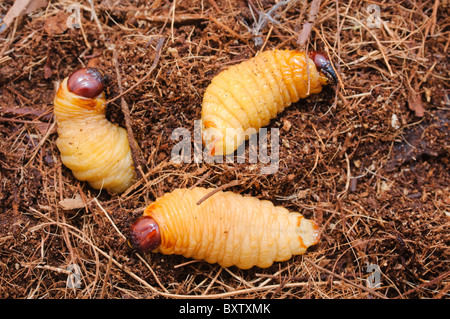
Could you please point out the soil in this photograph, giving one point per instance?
(367, 158)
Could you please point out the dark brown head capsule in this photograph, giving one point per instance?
(144, 234)
(87, 82)
(323, 64)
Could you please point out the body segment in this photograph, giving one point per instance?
(94, 149)
(248, 95)
(227, 228)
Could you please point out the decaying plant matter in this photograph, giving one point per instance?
(366, 159)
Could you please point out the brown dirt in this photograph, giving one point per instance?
(381, 194)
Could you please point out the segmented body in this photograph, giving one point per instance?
(250, 94)
(96, 150)
(229, 229)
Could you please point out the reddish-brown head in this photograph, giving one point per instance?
(87, 82)
(144, 234)
(323, 64)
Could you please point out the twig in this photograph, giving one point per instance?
(172, 23)
(307, 27)
(380, 46)
(126, 110)
(347, 183)
(108, 271)
(212, 281)
(431, 24)
(218, 189)
(228, 29)
(126, 113)
(179, 19)
(153, 273)
(263, 18)
(373, 292)
(306, 31)
(155, 63)
(214, 4)
(201, 180)
(47, 134)
(427, 283)
(97, 21)
(109, 218)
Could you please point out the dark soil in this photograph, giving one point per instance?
(368, 158)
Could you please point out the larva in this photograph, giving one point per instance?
(94, 149)
(250, 94)
(227, 228)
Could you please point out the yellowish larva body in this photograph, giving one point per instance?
(250, 94)
(229, 229)
(96, 150)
